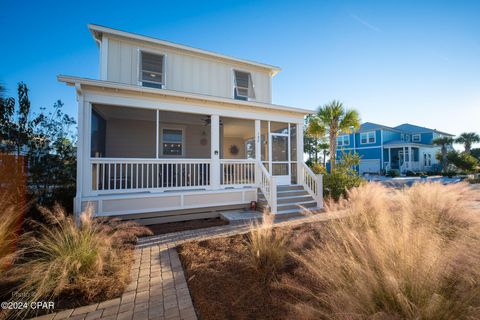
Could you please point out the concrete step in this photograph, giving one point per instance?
(293, 213)
(290, 199)
(289, 187)
(296, 205)
(287, 193)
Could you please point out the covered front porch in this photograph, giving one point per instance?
(144, 160)
(402, 157)
(134, 150)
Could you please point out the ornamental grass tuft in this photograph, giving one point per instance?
(409, 254)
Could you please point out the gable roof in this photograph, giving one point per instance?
(369, 126)
(410, 128)
(98, 30)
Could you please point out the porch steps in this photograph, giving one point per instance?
(292, 200)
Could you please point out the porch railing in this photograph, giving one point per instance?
(235, 172)
(313, 184)
(268, 184)
(113, 175)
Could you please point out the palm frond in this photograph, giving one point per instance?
(315, 127)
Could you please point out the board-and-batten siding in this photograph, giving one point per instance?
(184, 72)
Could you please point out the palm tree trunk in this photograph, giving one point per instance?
(444, 158)
(333, 149)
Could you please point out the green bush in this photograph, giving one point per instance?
(410, 173)
(317, 168)
(393, 173)
(449, 173)
(337, 183)
(463, 161)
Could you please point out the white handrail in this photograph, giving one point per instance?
(313, 183)
(148, 160)
(268, 185)
(237, 172)
(134, 175)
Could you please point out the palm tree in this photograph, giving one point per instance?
(443, 142)
(467, 139)
(331, 119)
(324, 146)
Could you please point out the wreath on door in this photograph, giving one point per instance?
(234, 150)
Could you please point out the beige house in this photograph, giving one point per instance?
(171, 132)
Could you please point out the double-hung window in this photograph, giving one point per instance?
(416, 138)
(152, 70)
(343, 140)
(172, 142)
(243, 86)
(367, 137)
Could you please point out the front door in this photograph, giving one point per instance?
(279, 148)
(402, 159)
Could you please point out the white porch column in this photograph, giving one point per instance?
(258, 149)
(87, 136)
(270, 169)
(157, 134)
(410, 158)
(215, 152)
(299, 153)
(77, 206)
(404, 158)
(389, 158)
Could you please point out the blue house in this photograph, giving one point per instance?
(404, 147)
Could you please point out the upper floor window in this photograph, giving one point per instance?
(407, 137)
(343, 140)
(151, 70)
(243, 86)
(402, 137)
(367, 137)
(416, 138)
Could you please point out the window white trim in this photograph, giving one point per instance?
(342, 139)
(234, 85)
(172, 127)
(416, 137)
(367, 137)
(139, 64)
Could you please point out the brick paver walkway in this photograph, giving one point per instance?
(158, 289)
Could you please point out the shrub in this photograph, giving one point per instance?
(422, 174)
(317, 168)
(267, 248)
(410, 254)
(449, 173)
(463, 161)
(87, 260)
(337, 183)
(393, 173)
(410, 173)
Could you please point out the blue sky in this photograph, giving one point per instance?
(393, 61)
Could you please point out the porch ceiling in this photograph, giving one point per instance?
(232, 127)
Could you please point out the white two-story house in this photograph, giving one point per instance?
(170, 132)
